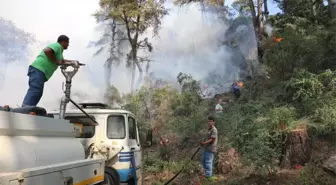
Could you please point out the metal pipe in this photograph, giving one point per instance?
(68, 77)
(65, 99)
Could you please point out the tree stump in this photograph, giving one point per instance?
(297, 149)
(225, 161)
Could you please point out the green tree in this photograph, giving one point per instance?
(113, 96)
(314, 11)
(243, 7)
(136, 17)
(112, 41)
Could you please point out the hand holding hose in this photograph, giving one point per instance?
(73, 63)
(70, 74)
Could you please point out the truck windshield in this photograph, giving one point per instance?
(116, 127)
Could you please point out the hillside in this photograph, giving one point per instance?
(281, 130)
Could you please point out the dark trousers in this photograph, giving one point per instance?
(236, 92)
(36, 85)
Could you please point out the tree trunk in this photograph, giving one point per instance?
(260, 28)
(134, 63)
(108, 73)
(285, 6)
(266, 12)
(253, 13)
(147, 69)
(260, 17)
(332, 8)
(258, 24)
(140, 77)
(297, 149)
(133, 78)
(314, 7)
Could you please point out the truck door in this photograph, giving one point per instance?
(134, 144)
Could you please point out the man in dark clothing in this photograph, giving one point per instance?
(236, 89)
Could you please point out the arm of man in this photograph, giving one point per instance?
(213, 137)
(51, 51)
(209, 141)
(51, 55)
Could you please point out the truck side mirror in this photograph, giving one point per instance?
(146, 137)
(149, 137)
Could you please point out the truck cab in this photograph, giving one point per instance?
(115, 137)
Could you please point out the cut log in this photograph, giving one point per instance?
(297, 149)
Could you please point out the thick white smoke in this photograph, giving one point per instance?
(198, 43)
(214, 52)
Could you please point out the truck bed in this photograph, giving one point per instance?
(83, 172)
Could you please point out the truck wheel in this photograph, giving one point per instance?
(131, 182)
(111, 177)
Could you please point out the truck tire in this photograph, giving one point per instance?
(111, 177)
(131, 182)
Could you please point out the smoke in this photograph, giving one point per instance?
(88, 84)
(15, 86)
(269, 30)
(212, 51)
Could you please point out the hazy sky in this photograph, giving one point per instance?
(47, 20)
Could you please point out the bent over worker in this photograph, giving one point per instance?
(236, 89)
(43, 68)
(209, 148)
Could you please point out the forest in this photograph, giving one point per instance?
(281, 130)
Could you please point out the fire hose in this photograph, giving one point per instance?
(192, 157)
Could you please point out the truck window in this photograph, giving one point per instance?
(88, 130)
(132, 128)
(116, 127)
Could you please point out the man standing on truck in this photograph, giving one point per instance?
(209, 148)
(43, 68)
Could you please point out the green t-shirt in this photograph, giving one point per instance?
(44, 64)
